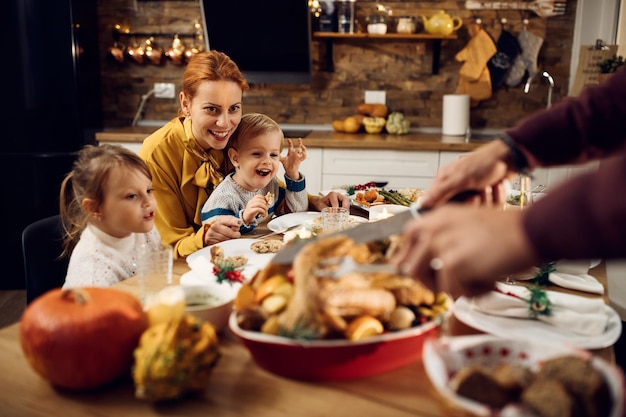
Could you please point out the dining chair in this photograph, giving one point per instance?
(41, 247)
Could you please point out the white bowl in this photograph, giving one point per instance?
(211, 302)
(444, 357)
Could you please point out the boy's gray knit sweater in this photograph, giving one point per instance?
(230, 199)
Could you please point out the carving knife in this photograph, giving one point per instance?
(365, 232)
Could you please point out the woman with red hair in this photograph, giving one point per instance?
(187, 156)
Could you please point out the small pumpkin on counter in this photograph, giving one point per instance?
(374, 124)
(351, 124)
(82, 338)
(397, 124)
(373, 109)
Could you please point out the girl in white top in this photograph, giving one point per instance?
(107, 208)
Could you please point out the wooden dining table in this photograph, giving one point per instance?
(238, 387)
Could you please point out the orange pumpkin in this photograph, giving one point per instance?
(82, 338)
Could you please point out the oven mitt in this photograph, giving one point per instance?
(474, 77)
(581, 315)
(526, 61)
(508, 49)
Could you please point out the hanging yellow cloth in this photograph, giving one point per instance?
(474, 77)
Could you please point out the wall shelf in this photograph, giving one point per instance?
(330, 37)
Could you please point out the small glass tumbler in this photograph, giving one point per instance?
(154, 269)
(346, 12)
(525, 191)
(335, 219)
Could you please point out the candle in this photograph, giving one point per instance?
(384, 214)
(302, 233)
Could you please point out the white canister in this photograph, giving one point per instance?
(406, 24)
(376, 24)
(456, 110)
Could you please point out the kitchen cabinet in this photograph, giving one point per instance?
(311, 168)
(546, 177)
(401, 169)
(330, 165)
(330, 37)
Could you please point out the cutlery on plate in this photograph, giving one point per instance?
(281, 231)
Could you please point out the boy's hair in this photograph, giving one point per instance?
(252, 125)
(90, 172)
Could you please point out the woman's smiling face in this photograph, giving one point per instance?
(215, 112)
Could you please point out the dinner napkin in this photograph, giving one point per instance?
(581, 315)
(192, 278)
(200, 263)
(573, 274)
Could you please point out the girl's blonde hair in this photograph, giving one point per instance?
(253, 125)
(90, 172)
(210, 66)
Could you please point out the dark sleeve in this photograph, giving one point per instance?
(577, 129)
(584, 217)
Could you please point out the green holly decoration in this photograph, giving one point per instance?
(539, 303)
(542, 277)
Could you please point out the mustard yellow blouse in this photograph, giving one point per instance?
(183, 176)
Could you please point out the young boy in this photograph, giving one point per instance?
(252, 193)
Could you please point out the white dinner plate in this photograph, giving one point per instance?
(309, 219)
(519, 328)
(200, 261)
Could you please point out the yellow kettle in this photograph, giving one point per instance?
(441, 23)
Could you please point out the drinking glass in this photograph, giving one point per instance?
(154, 269)
(525, 200)
(335, 219)
(525, 191)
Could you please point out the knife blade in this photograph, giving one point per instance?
(363, 232)
(366, 232)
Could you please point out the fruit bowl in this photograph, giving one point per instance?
(320, 360)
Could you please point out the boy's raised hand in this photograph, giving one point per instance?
(291, 161)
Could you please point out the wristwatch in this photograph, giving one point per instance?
(516, 160)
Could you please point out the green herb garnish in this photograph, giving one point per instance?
(542, 277)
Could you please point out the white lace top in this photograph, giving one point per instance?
(101, 260)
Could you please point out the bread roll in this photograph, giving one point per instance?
(582, 380)
(548, 398)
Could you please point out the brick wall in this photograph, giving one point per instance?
(402, 68)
